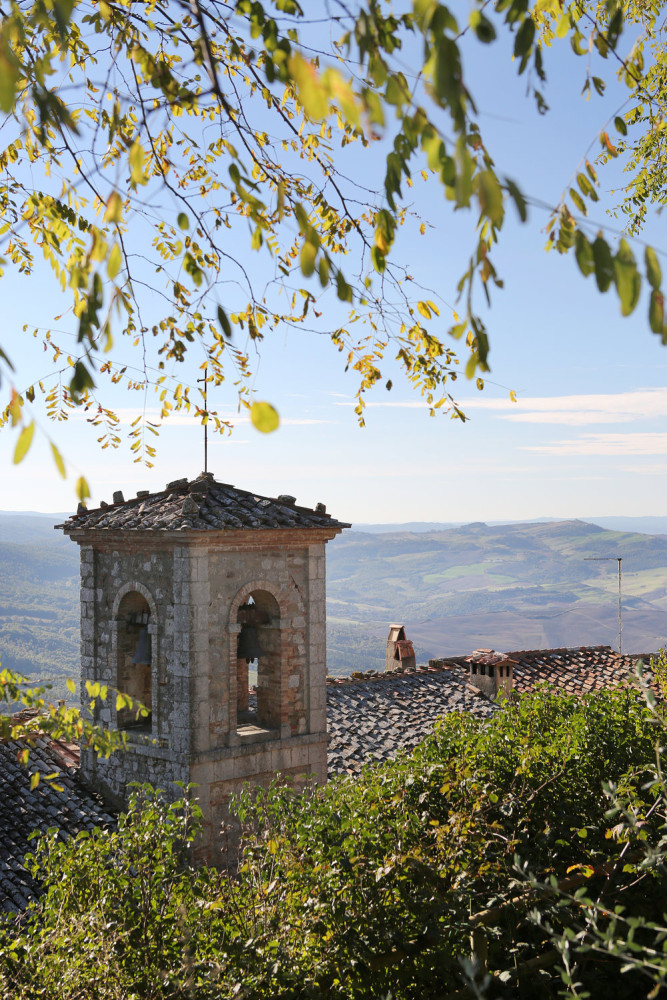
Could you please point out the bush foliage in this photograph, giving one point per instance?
(489, 862)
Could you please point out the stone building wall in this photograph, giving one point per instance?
(193, 586)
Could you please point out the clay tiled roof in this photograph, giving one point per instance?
(23, 810)
(373, 716)
(577, 670)
(201, 505)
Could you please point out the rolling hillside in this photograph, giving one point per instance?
(509, 586)
(516, 586)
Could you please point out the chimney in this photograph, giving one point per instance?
(400, 652)
(491, 672)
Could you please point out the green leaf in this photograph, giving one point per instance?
(34, 781)
(80, 381)
(62, 12)
(225, 325)
(584, 254)
(23, 443)
(71, 686)
(656, 311)
(628, 281)
(264, 417)
(620, 125)
(604, 264)
(10, 72)
(482, 27)
(517, 198)
(490, 196)
(578, 201)
(307, 259)
(114, 262)
(57, 458)
(378, 259)
(653, 271)
(343, 290)
(183, 220)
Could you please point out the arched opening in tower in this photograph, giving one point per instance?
(258, 662)
(134, 673)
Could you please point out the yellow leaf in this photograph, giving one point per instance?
(513, 395)
(264, 417)
(114, 261)
(424, 310)
(114, 210)
(23, 443)
(82, 489)
(34, 780)
(136, 157)
(312, 93)
(58, 459)
(422, 228)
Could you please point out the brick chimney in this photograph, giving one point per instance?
(491, 672)
(400, 651)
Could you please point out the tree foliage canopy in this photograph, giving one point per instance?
(504, 846)
(147, 146)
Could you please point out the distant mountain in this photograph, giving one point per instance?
(508, 586)
(646, 525)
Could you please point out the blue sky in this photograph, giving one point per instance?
(586, 437)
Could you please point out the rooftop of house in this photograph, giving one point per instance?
(575, 670)
(371, 718)
(200, 505)
(69, 809)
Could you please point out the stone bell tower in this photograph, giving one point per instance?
(187, 597)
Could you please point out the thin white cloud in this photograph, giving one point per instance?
(636, 445)
(571, 411)
(402, 404)
(579, 410)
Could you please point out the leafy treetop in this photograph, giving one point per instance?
(143, 143)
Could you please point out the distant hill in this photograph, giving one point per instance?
(647, 525)
(509, 586)
(39, 599)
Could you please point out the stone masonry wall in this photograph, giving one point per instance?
(193, 585)
(160, 574)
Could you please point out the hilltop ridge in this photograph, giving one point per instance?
(522, 585)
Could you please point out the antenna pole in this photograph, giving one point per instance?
(620, 619)
(619, 560)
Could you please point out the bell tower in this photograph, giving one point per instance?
(206, 603)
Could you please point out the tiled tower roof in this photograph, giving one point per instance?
(200, 505)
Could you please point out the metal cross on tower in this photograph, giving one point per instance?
(205, 393)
